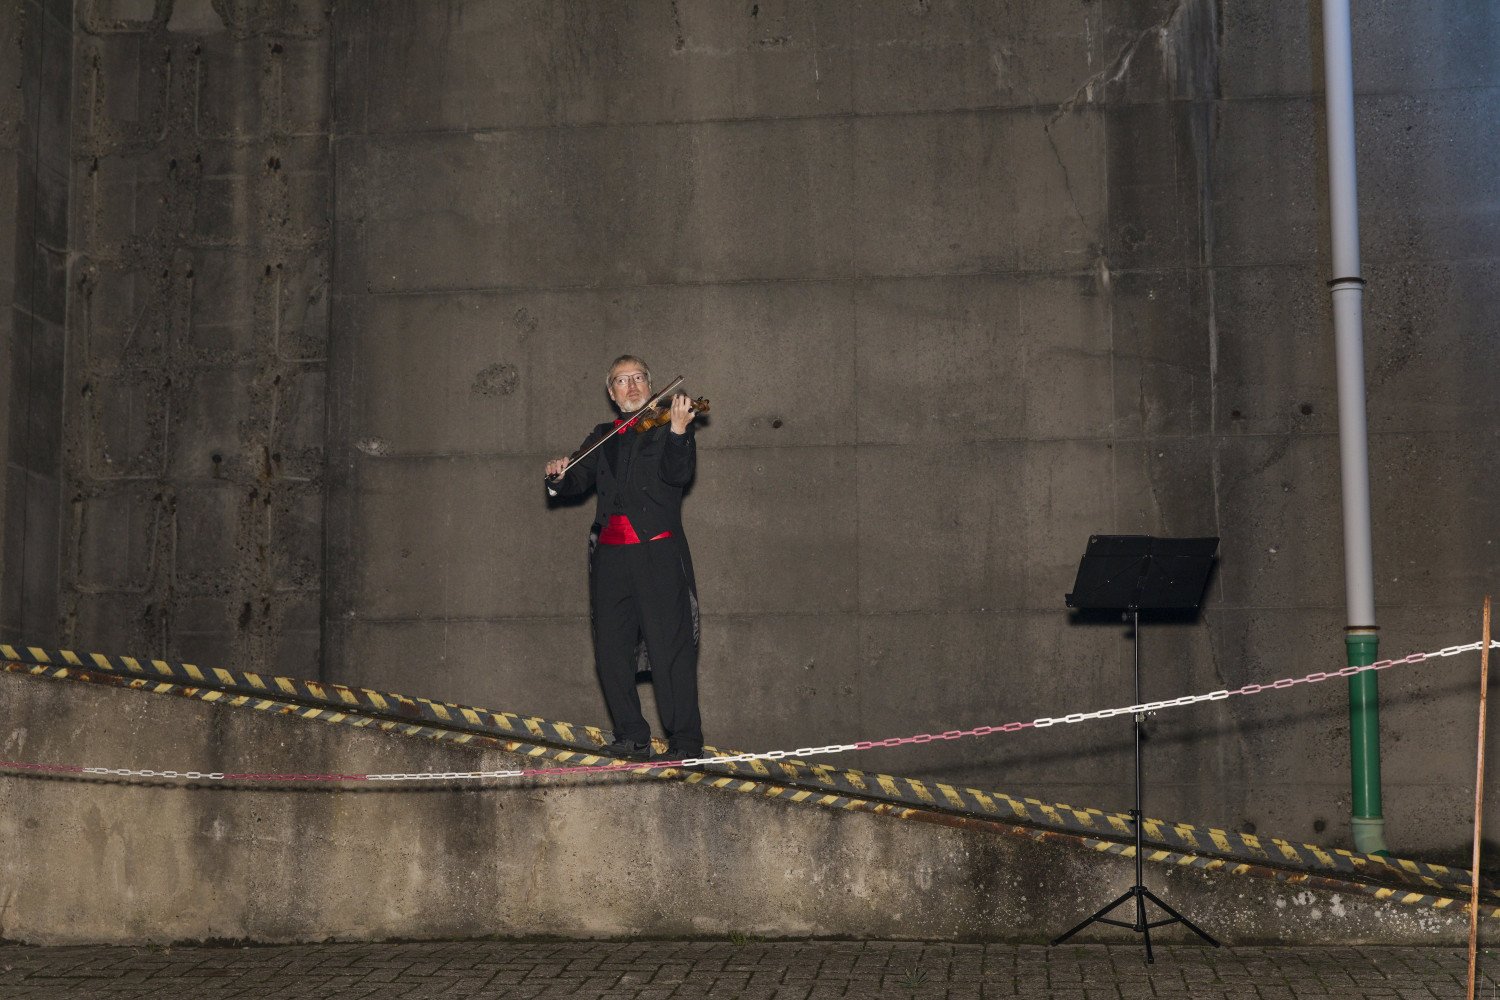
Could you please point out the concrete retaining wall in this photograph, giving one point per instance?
(92, 861)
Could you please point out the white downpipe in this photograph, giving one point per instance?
(1347, 287)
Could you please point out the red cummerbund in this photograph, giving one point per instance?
(619, 531)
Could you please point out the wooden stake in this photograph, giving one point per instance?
(1484, 690)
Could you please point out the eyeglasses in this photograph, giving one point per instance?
(621, 381)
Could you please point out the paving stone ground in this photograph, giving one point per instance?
(749, 970)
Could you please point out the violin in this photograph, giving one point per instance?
(656, 411)
(662, 413)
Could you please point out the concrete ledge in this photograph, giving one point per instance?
(111, 862)
(822, 783)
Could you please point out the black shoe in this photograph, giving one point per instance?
(626, 750)
(675, 752)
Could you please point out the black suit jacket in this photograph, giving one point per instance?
(658, 465)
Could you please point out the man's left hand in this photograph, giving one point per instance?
(682, 413)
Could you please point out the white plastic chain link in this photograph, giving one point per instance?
(1045, 722)
(127, 772)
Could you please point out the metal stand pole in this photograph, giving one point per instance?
(1138, 892)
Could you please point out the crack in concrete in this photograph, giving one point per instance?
(1113, 72)
(1063, 166)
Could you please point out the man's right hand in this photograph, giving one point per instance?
(556, 467)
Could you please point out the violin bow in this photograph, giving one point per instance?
(647, 406)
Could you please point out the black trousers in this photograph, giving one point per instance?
(642, 591)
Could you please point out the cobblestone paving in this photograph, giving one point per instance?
(751, 970)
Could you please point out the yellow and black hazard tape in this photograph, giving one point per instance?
(1452, 897)
(816, 780)
(1455, 899)
(518, 745)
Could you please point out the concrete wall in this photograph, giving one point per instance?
(194, 437)
(613, 857)
(966, 283)
(35, 110)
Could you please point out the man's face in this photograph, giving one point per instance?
(628, 386)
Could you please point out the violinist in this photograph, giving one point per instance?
(642, 573)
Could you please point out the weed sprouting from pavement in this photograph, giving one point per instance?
(912, 979)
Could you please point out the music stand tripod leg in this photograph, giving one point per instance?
(1098, 915)
(1141, 921)
(1177, 918)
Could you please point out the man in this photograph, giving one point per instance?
(642, 579)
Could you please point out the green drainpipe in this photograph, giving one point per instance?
(1364, 742)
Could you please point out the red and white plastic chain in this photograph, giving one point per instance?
(745, 758)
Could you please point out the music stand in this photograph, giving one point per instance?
(1135, 573)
